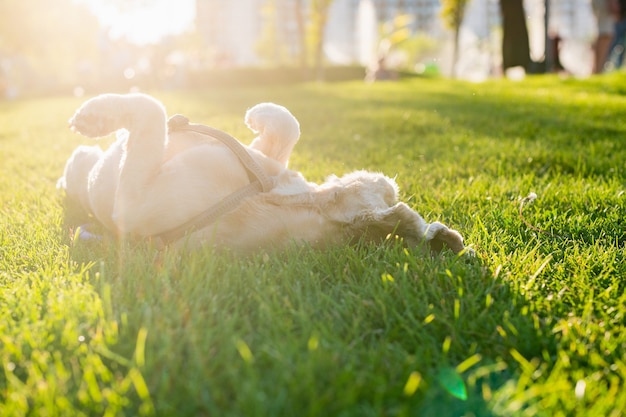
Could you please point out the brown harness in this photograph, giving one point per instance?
(259, 181)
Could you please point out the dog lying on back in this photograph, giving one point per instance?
(154, 180)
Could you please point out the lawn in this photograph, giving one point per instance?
(534, 326)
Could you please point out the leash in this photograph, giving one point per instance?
(259, 181)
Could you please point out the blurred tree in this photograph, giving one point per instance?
(391, 57)
(453, 12)
(300, 16)
(319, 18)
(395, 36)
(419, 49)
(515, 43)
(397, 30)
(53, 37)
(270, 45)
(280, 44)
(276, 43)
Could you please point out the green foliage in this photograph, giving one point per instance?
(534, 326)
(276, 46)
(315, 33)
(271, 44)
(397, 30)
(452, 12)
(418, 48)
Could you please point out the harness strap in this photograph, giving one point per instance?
(260, 182)
(180, 122)
(209, 216)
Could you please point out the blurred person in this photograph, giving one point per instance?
(559, 28)
(604, 11)
(380, 72)
(555, 53)
(616, 49)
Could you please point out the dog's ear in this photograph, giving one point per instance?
(440, 236)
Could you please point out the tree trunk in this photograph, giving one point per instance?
(515, 44)
(299, 12)
(320, 10)
(319, 47)
(455, 52)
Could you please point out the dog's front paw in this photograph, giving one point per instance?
(97, 117)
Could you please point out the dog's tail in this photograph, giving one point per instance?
(278, 130)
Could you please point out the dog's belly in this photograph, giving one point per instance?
(182, 141)
(185, 186)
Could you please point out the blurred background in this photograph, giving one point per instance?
(84, 47)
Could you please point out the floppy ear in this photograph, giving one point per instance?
(439, 235)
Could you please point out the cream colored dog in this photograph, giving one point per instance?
(151, 181)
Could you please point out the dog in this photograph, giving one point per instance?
(155, 180)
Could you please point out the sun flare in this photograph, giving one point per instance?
(146, 23)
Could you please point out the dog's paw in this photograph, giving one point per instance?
(269, 119)
(258, 116)
(278, 130)
(438, 235)
(97, 117)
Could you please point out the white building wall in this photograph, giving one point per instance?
(230, 30)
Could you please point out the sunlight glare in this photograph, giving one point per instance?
(147, 23)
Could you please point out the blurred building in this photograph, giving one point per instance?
(425, 12)
(233, 30)
(229, 30)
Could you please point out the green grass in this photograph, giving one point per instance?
(534, 326)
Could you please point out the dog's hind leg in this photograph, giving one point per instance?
(278, 130)
(75, 180)
(397, 220)
(142, 155)
(402, 221)
(107, 113)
